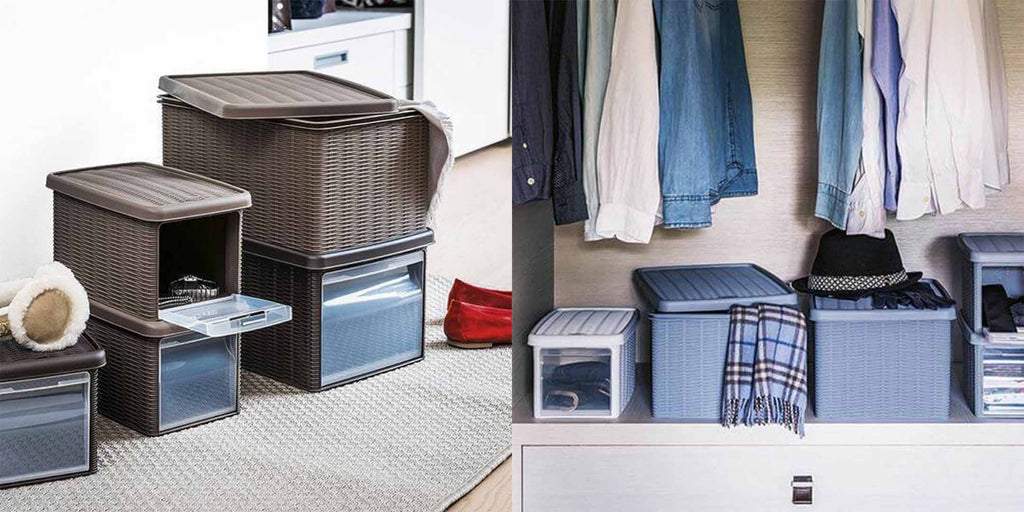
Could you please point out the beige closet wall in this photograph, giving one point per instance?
(777, 228)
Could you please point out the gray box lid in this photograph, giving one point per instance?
(584, 327)
(695, 288)
(149, 192)
(276, 95)
(992, 247)
(18, 362)
(825, 309)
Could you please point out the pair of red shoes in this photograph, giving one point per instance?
(478, 317)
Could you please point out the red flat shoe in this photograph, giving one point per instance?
(473, 326)
(469, 294)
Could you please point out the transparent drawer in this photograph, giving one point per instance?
(227, 315)
(198, 379)
(371, 317)
(1003, 380)
(575, 381)
(44, 427)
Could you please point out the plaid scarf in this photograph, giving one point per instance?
(766, 367)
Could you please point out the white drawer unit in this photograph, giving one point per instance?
(370, 48)
(728, 478)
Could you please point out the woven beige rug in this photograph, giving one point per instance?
(414, 439)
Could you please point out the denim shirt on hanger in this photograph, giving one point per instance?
(532, 121)
(706, 138)
(839, 110)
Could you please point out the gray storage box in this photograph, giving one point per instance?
(690, 330)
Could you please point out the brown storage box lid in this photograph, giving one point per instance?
(149, 192)
(18, 362)
(276, 95)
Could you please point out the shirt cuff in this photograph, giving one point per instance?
(831, 205)
(625, 223)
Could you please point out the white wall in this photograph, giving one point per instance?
(78, 88)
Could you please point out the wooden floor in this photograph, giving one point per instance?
(492, 495)
(474, 243)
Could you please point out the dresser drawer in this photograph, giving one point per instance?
(379, 61)
(727, 478)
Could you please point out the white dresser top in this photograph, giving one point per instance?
(339, 25)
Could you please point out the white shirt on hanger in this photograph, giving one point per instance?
(866, 215)
(942, 113)
(995, 163)
(627, 147)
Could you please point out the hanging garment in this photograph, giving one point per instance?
(765, 367)
(582, 6)
(706, 141)
(942, 114)
(840, 129)
(985, 27)
(601, 27)
(532, 121)
(886, 64)
(568, 200)
(866, 215)
(627, 146)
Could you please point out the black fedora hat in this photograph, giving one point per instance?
(852, 266)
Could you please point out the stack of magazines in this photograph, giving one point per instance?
(1004, 382)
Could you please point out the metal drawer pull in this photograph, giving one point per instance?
(330, 59)
(803, 490)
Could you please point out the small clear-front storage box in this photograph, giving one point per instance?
(584, 362)
(47, 412)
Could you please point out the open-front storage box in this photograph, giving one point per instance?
(990, 259)
(356, 313)
(331, 165)
(47, 412)
(690, 330)
(128, 231)
(138, 236)
(584, 362)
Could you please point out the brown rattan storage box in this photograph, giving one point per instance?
(127, 231)
(47, 412)
(161, 378)
(355, 313)
(319, 184)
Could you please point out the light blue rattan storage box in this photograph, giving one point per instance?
(881, 365)
(989, 258)
(690, 328)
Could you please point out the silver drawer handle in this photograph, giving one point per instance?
(330, 59)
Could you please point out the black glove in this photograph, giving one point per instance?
(915, 296)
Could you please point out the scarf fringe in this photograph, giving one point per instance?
(734, 410)
(776, 411)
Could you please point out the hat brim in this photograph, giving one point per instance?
(800, 285)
